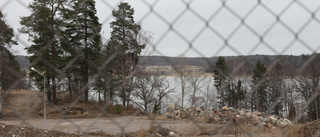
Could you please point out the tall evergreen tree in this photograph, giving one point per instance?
(7, 61)
(276, 88)
(82, 40)
(259, 86)
(9, 68)
(220, 79)
(42, 27)
(126, 35)
(108, 82)
(235, 94)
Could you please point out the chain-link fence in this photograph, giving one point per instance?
(190, 68)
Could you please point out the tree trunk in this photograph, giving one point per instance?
(69, 84)
(145, 108)
(48, 89)
(99, 97)
(105, 96)
(123, 82)
(54, 94)
(54, 91)
(86, 73)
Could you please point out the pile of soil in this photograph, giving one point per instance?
(310, 129)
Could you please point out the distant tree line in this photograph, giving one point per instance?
(290, 63)
(270, 90)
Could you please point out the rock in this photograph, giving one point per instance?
(172, 134)
(225, 108)
(239, 119)
(266, 120)
(232, 109)
(213, 110)
(202, 108)
(177, 107)
(198, 110)
(216, 118)
(257, 113)
(241, 112)
(287, 121)
(269, 125)
(171, 106)
(262, 124)
(203, 114)
(170, 115)
(177, 112)
(183, 115)
(210, 115)
(283, 122)
(158, 135)
(273, 120)
(247, 115)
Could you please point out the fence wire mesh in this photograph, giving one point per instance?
(194, 93)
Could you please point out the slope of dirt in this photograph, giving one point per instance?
(22, 102)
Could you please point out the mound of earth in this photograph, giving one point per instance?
(311, 129)
(22, 102)
(29, 104)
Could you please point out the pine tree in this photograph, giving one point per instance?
(107, 81)
(220, 79)
(260, 85)
(126, 36)
(9, 68)
(42, 27)
(276, 87)
(82, 40)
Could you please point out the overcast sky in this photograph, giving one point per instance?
(206, 27)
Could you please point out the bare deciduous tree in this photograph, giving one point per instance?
(162, 91)
(144, 90)
(196, 84)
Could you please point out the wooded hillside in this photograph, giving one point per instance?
(291, 64)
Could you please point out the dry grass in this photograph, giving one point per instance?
(246, 131)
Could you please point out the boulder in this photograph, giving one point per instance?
(262, 124)
(232, 109)
(242, 113)
(177, 107)
(266, 120)
(198, 110)
(172, 134)
(239, 119)
(247, 115)
(170, 116)
(287, 121)
(225, 108)
(177, 112)
(184, 115)
(216, 118)
(257, 113)
(273, 120)
(269, 125)
(283, 122)
(203, 108)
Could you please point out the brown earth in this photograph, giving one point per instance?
(22, 103)
(23, 112)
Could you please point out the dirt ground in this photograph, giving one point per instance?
(23, 112)
(24, 109)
